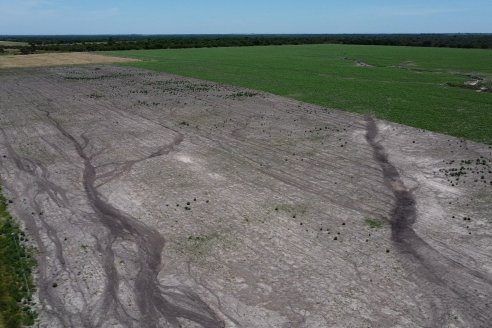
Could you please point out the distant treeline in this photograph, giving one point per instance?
(137, 42)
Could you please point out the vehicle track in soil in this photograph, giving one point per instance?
(457, 285)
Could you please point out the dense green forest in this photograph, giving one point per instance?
(138, 42)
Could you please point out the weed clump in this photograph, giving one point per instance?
(374, 223)
(196, 246)
(241, 95)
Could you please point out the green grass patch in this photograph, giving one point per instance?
(412, 86)
(374, 223)
(292, 208)
(198, 246)
(16, 266)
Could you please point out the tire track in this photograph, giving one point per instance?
(456, 286)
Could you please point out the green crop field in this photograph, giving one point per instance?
(420, 87)
(13, 44)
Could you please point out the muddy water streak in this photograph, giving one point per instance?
(456, 286)
(155, 302)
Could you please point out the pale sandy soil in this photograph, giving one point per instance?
(161, 201)
(58, 59)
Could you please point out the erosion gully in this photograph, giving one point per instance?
(154, 301)
(456, 285)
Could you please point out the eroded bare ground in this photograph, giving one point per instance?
(160, 201)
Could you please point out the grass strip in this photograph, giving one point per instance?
(16, 267)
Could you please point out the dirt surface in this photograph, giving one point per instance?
(160, 201)
(58, 59)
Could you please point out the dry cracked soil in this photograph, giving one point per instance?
(160, 201)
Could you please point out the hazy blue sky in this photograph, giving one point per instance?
(237, 16)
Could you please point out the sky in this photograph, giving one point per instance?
(243, 17)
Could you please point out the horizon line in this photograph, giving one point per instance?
(251, 34)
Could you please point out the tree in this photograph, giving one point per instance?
(25, 50)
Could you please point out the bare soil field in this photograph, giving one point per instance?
(58, 59)
(161, 201)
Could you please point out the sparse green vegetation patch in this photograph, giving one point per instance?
(412, 86)
(477, 172)
(242, 95)
(16, 265)
(374, 223)
(196, 246)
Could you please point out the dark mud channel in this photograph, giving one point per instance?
(450, 285)
(155, 302)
